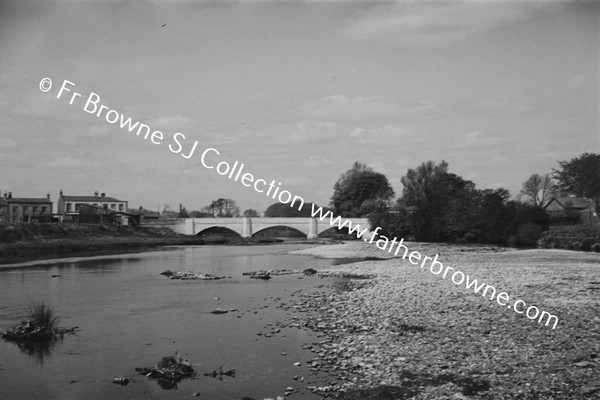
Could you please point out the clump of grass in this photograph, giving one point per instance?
(41, 325)
(43, 318)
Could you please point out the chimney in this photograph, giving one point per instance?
(10, 195)
(96, 193)
(5, 195)
(103, 195)
(60, 193)
(48, 196)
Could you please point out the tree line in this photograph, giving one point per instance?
(439, 206)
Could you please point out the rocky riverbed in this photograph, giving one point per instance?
(408, 334)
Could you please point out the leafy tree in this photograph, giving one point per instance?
(285, 211)
(223, 208)
(360, 191)
(183, 213)
(538, 190)
(580, 176)
(423, 197)
(251, 213)
(494, 216)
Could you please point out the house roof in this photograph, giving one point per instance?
(571, 202)
(91, 199)
(29, 200)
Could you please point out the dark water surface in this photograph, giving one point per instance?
(130, 316)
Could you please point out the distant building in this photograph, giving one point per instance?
(89, 214)
(68, 206)
(25, 209)
(573, 210)
(144, 214)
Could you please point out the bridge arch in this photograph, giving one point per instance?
(288, 228)
(219, 229)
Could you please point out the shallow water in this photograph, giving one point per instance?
(131, 316)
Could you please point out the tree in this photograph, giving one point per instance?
(285, 211)
(422, 194)
(580, 176)
(538, 190)
(360, 191)
(252, 213)
(223, 208)
(183, 212)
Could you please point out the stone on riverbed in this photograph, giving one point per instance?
(189, 275)
(172, 369)
(267, 274)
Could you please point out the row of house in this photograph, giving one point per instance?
(69, 209)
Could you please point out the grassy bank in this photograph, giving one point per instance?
(19, 242)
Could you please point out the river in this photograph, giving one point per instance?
(130, 316)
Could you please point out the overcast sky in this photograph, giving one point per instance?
(296, 90)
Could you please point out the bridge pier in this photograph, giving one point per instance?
(246, 227)
(313, 232)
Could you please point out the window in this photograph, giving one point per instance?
(120, 207)
(44, 210)
(25, 210)
(113, 206)
(69, 207)
(35, 209)
(77, 206)
(15, 209)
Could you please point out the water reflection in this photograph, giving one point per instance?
(39, 350)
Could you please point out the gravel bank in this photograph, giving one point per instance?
(408, 334)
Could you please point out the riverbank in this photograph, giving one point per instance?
(19, 242)
(409, 334)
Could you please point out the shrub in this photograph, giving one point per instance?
(43, 317)
(586, 244)
(575, 246)
(596, 248)
(529, 233)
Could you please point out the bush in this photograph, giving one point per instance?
(529, 234)
(586, 244)
(596, 248)
(43, 317)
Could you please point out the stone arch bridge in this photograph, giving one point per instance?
(246, 227)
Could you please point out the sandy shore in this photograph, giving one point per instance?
(411, 334)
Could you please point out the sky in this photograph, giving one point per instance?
(296, 90)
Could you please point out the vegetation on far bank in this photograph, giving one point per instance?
(439, 206)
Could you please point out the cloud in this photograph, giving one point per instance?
(429, 23)
(323, 131)
(312, 161)
(477, 139)
(339, 107)
(576, 82)
(98, 131)
(7, 143)
(175, 123)
(379, 135)
(299, 181)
